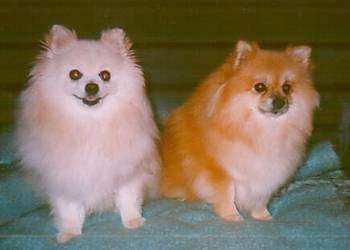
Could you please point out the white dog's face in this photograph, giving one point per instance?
(87, 72)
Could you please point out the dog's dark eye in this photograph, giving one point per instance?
(260, 87)
(286, 88)
(75, 74)
(105, 75)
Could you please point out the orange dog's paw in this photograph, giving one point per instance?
(228, 212)
(263, 215)
(231, 217)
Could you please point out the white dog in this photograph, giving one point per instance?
(86, 131)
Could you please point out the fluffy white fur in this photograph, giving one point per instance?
(88, 158)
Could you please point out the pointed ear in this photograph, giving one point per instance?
(117, 39)
(244, 50)
(59, 37)
(301, 54)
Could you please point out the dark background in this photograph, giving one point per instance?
(179, 42)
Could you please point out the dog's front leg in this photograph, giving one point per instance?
(128, 200)
(69, 218)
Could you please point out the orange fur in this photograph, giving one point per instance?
(221, 119)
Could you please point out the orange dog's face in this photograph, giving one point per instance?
(268, 85)
(270, 80)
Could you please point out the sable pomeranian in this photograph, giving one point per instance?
(242, 134)
(86, 131)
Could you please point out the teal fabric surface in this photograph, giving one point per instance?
(6, 149)
(313, 212)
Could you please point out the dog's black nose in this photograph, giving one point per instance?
(91, 88)
(278, 103)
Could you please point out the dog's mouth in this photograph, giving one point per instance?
(274, 113)
(275, 106)
(90, 100)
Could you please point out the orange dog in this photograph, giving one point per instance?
(242, 134)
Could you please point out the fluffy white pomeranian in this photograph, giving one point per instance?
(86, 130)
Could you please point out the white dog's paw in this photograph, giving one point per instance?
(134, 223)
(63, 237)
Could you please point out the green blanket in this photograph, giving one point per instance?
(313, 212)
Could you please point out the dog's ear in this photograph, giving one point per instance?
(244, 50)
(59, 37)
(300, 54)
(117, 39)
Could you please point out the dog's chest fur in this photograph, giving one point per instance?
(257, 172)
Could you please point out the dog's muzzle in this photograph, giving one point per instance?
(91, 98)
(278, 106)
